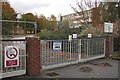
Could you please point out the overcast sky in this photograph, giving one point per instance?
(45, 7)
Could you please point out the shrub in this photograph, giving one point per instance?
(61, 33)
(97, 32)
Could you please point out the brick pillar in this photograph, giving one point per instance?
(109, 46)
(33, 56)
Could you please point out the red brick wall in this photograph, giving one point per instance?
(33, 56)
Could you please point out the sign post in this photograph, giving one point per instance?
(35, 26)
(11, 56)
(108, 29)
(70, 39)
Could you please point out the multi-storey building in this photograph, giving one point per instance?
(75, 20)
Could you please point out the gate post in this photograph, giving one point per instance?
(33, 56)
(109, 46)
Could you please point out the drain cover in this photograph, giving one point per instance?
(86, 69)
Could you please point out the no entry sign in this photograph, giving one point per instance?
(11, 56)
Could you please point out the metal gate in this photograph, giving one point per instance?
(58, 53)
(16, 70)
(116, 46)
(92, 48)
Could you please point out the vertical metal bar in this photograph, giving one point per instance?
(89, 53)
(51, 48)
(25, 56)
(101, 45)
(46, 56)
(79, 51)
(46, 53)
(21, 57)
(50, 52)
(92, 44)
(82, 47)
(63, 51)
(70, 49)
(67, 50)
(104, 46)
(95, 47)
(58, 57)
(1, 63)
(20, 60)
(112, 46)
(73, 49)
(98, 47)
(76, 49)
(100, 42)
(87, 47)
(46, 61)
(72, 46)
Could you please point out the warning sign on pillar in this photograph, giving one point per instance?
(11, 56)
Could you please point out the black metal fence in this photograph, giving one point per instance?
(116, 46)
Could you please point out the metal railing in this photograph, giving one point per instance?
(116, 44)
(92, 47)
(56, 53)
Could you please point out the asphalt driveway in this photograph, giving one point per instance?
(100, 68)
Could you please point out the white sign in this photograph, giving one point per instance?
(11, 56)
(70, 37)
(108, 27)
(74, 36)
(89, 35)
(57, 46)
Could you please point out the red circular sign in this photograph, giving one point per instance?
(12, 53)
